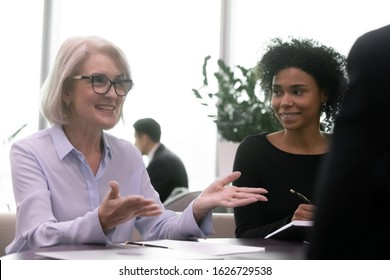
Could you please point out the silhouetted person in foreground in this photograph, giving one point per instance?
(353, 200)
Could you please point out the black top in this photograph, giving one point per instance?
(166, 172)
(263, 165)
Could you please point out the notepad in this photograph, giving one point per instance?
(294, 231)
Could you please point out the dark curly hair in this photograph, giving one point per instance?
(324, 64)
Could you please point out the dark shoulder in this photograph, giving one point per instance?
(163, 152)
(254, 144)
(255, 138)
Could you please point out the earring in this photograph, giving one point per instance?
(67, 104)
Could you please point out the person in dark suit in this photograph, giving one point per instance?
(165, 169)
(353, 190)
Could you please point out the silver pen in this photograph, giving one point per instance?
(145, 245)
(301, 196)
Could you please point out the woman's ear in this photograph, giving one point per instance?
(324, 97)
(66, 98)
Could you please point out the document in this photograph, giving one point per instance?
(294, 231)
(125, 253)
(212, 249)
(161, 249)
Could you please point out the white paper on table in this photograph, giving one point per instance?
(204, 248)
(126, 253)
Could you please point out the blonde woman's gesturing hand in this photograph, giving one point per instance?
(116, 210)
(219, 194)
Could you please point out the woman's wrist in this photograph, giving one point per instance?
(198, 211)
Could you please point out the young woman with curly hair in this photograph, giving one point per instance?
(305, 82)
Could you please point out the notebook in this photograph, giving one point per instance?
(294, 231)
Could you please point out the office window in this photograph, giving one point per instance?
(20, 57)
(335, 23)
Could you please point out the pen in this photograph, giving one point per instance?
(304, 198)
(146, 245)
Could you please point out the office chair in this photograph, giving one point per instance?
(181, 200)
(7, 230)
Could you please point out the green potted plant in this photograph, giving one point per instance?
(239, 108)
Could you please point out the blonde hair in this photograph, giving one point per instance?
(70, 58)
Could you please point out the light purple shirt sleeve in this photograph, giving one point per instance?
(57, 195)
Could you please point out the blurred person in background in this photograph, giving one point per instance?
(165, 169)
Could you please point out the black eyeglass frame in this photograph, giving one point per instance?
(114, 82)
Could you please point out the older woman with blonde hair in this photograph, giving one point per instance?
(75, 183)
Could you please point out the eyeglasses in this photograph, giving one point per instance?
(101, 84)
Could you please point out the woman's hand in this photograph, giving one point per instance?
(304, 212)
(116, 210)
(218, 194)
